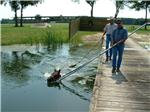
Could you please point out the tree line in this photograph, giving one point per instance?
(132, 4)
(19, 5)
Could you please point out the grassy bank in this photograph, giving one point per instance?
(30, 34)
(57, 33)
(141, 37)
(131, 28)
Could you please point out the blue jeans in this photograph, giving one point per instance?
(117, 55)
(108, 42)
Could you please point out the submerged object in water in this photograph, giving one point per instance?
(54, 76)
(71, 66)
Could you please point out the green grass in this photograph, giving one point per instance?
(31, 35)
(53, 38)
(131, 28)
(57, 34)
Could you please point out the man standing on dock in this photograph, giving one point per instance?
(108, 30)
(119, 35)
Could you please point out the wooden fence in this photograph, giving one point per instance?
(87, 24)
(74, 27)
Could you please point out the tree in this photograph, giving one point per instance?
(2, 2)
(119, 5)
(38, 17)
(14, 7)
(19, 4)
(138, 5)
(76, 1)
(91, 3)
(24, 4)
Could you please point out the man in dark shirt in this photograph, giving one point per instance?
(120, 34)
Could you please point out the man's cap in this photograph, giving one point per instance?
(118, 21)
(110, 18)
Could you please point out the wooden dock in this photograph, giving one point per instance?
(127, 91)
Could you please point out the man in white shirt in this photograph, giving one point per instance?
(108, 30)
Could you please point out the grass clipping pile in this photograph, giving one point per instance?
(142, 39)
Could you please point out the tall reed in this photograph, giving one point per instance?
(54, 38)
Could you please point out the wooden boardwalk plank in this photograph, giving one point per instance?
(128, 91)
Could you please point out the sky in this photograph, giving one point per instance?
(102, 8)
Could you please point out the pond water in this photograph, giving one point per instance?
(24, 85)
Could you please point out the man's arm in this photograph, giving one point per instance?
(102, 39)
(125, 37)
(105, 30)
(112, 38)
(103, 34)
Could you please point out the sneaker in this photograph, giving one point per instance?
(113, 70)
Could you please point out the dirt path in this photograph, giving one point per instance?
(91, 38)
(142, 39)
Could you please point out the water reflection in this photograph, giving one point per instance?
(55, 84)
(85, 82)
(23, 70)
(14, 69)
(80, 85)
(15, 66)
(74, 91)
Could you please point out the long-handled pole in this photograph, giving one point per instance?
(73, 71)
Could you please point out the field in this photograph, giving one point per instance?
(30, 34)
(56, 33)
(131, 28)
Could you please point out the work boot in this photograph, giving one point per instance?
(118, 70)
(113, 70)
(106, 59)
(110, 58)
